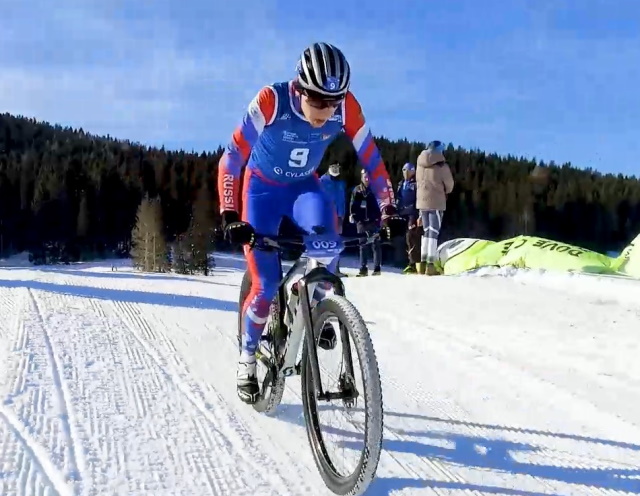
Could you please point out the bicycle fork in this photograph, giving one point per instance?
(316, 275)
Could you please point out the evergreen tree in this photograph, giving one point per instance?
(83, 218)
(64, 192)
(196, 245)
(180, 254)
(149, 248)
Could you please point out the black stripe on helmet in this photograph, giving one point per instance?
(317, 63)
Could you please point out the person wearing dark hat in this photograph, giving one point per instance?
(365, 214)
(406, 197)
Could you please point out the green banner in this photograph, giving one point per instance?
(463, 254)
(531, 252)
(541, 253)
(628, 263)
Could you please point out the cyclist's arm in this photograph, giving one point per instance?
(352, 200)
(356, 128)
(260, 113)
(399, 199)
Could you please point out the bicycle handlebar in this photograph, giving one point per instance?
(282, 242)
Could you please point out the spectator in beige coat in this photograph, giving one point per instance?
(434, 183)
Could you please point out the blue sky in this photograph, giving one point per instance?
(554, 79)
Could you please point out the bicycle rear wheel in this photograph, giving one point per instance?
(272, 386)
(245, 287)
(352, 322)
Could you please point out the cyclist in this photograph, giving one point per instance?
(281, 140)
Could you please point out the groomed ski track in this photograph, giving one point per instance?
(499, 383)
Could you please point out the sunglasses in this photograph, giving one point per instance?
(318, 101)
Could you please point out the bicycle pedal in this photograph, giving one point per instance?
(248, 398)
(327, 344)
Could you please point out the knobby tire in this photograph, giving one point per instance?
(356, 483)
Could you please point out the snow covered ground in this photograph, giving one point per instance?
(502, 383)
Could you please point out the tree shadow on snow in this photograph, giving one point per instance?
(133, 275)
(80, 269)
(128, 296)
(479, 451)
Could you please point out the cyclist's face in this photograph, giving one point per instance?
(318, 112)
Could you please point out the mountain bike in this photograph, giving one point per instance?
(291, 316)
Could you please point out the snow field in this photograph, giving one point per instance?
(500, 382)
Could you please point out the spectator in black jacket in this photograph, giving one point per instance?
(406, 198)
(364, 212)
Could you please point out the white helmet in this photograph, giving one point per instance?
(323, 72)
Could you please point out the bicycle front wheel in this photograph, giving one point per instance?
(351, 322)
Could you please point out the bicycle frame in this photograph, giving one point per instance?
(294, 295)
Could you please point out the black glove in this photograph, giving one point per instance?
(237, 231)
(393, 225)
